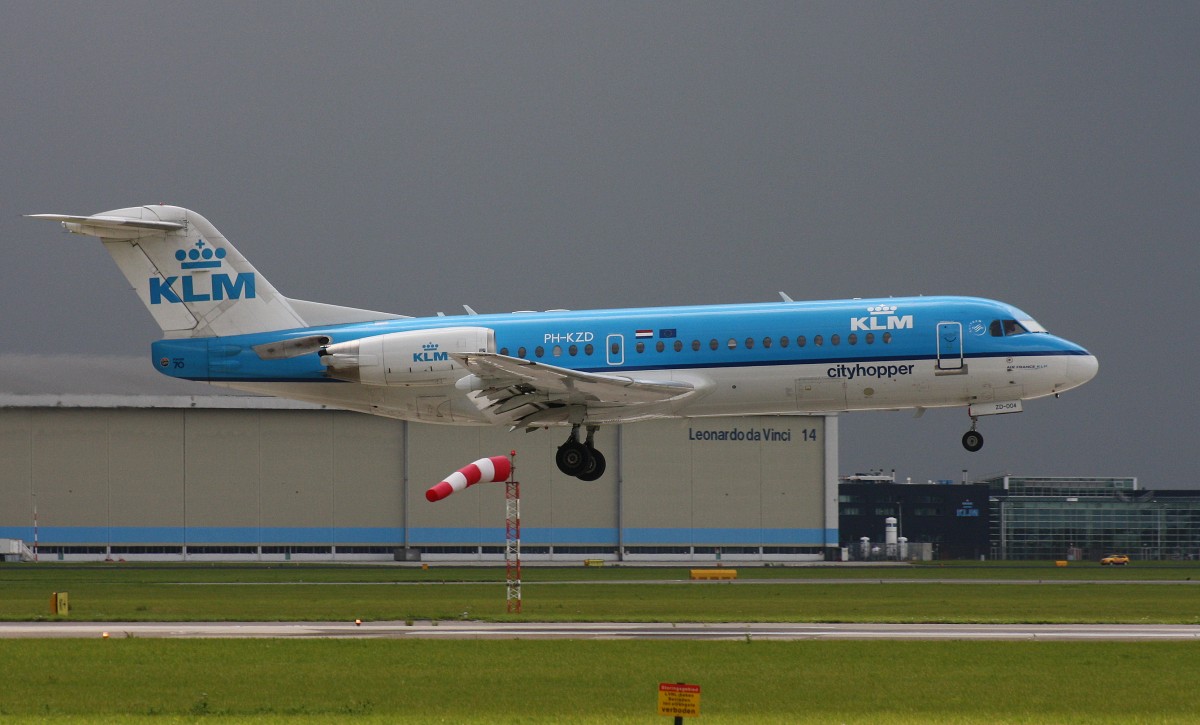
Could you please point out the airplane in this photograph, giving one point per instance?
(225, 324)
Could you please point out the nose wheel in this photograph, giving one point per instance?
(972, 440)
(580, 460)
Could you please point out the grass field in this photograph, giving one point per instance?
(304, 592)
(131, 680)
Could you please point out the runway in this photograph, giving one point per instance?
(599, 631)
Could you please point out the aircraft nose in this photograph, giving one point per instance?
(1082, 368)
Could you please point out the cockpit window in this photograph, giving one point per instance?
(1008, 328)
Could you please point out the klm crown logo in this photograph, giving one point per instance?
(185, 288)
(200, 256)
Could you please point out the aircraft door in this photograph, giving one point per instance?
(950, 347)
(615, 347)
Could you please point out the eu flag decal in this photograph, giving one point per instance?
(670, 332)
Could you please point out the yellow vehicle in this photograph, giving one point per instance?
(1114, 559)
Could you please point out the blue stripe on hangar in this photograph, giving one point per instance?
(428, 536)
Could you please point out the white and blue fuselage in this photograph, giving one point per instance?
(784, 357)
(225, 324)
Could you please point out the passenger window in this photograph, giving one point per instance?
(504, 351)
(539, 351)
(835, 340)
(588, 349)
(660, 346)
(732, 344)
(801, 341)
(640, 347)
(521, 352)
(615, 349)
(749, 343)
(678, 345)
(713, 344)
(852, 339)
(573, 350)
(887, 338)
(783, 341)
(557, 351)
(695, 345)
(870, 338)
(818, 340)
(766, 342)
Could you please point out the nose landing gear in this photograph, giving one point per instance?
(972, 440)
(580, 460)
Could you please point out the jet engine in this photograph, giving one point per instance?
(417, 357)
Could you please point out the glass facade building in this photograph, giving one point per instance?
(1088, 518)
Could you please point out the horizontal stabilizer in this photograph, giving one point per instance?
(80, 224)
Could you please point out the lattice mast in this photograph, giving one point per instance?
(512, 538)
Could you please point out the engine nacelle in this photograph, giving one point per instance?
(419, 357)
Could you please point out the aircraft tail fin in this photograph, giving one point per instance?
(191, 278)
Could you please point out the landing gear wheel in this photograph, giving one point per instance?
(972, 440)
(596, 469)
(573, 458)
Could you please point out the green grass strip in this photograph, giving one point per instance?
(416, 681)
(707, 602)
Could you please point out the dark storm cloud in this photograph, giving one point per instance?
(414, 157)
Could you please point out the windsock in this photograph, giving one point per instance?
(485, 470)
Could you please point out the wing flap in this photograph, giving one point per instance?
(508, 377)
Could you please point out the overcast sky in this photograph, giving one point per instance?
(412, 157)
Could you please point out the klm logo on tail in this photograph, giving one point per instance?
(205, 287)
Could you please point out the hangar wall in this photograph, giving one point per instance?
(250, 483)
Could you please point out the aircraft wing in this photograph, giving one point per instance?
(533, 393)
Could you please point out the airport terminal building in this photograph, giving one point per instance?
(1022, 518)
(93, 475)
(1084, 519)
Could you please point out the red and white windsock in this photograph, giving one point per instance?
(485, 470)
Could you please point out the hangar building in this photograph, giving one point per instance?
(176, 476)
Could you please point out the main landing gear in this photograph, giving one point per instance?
(972, 440)
(580, 460)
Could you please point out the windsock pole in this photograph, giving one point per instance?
(490, 470)
(512, 538)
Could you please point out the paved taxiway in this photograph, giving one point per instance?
(595, 631)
